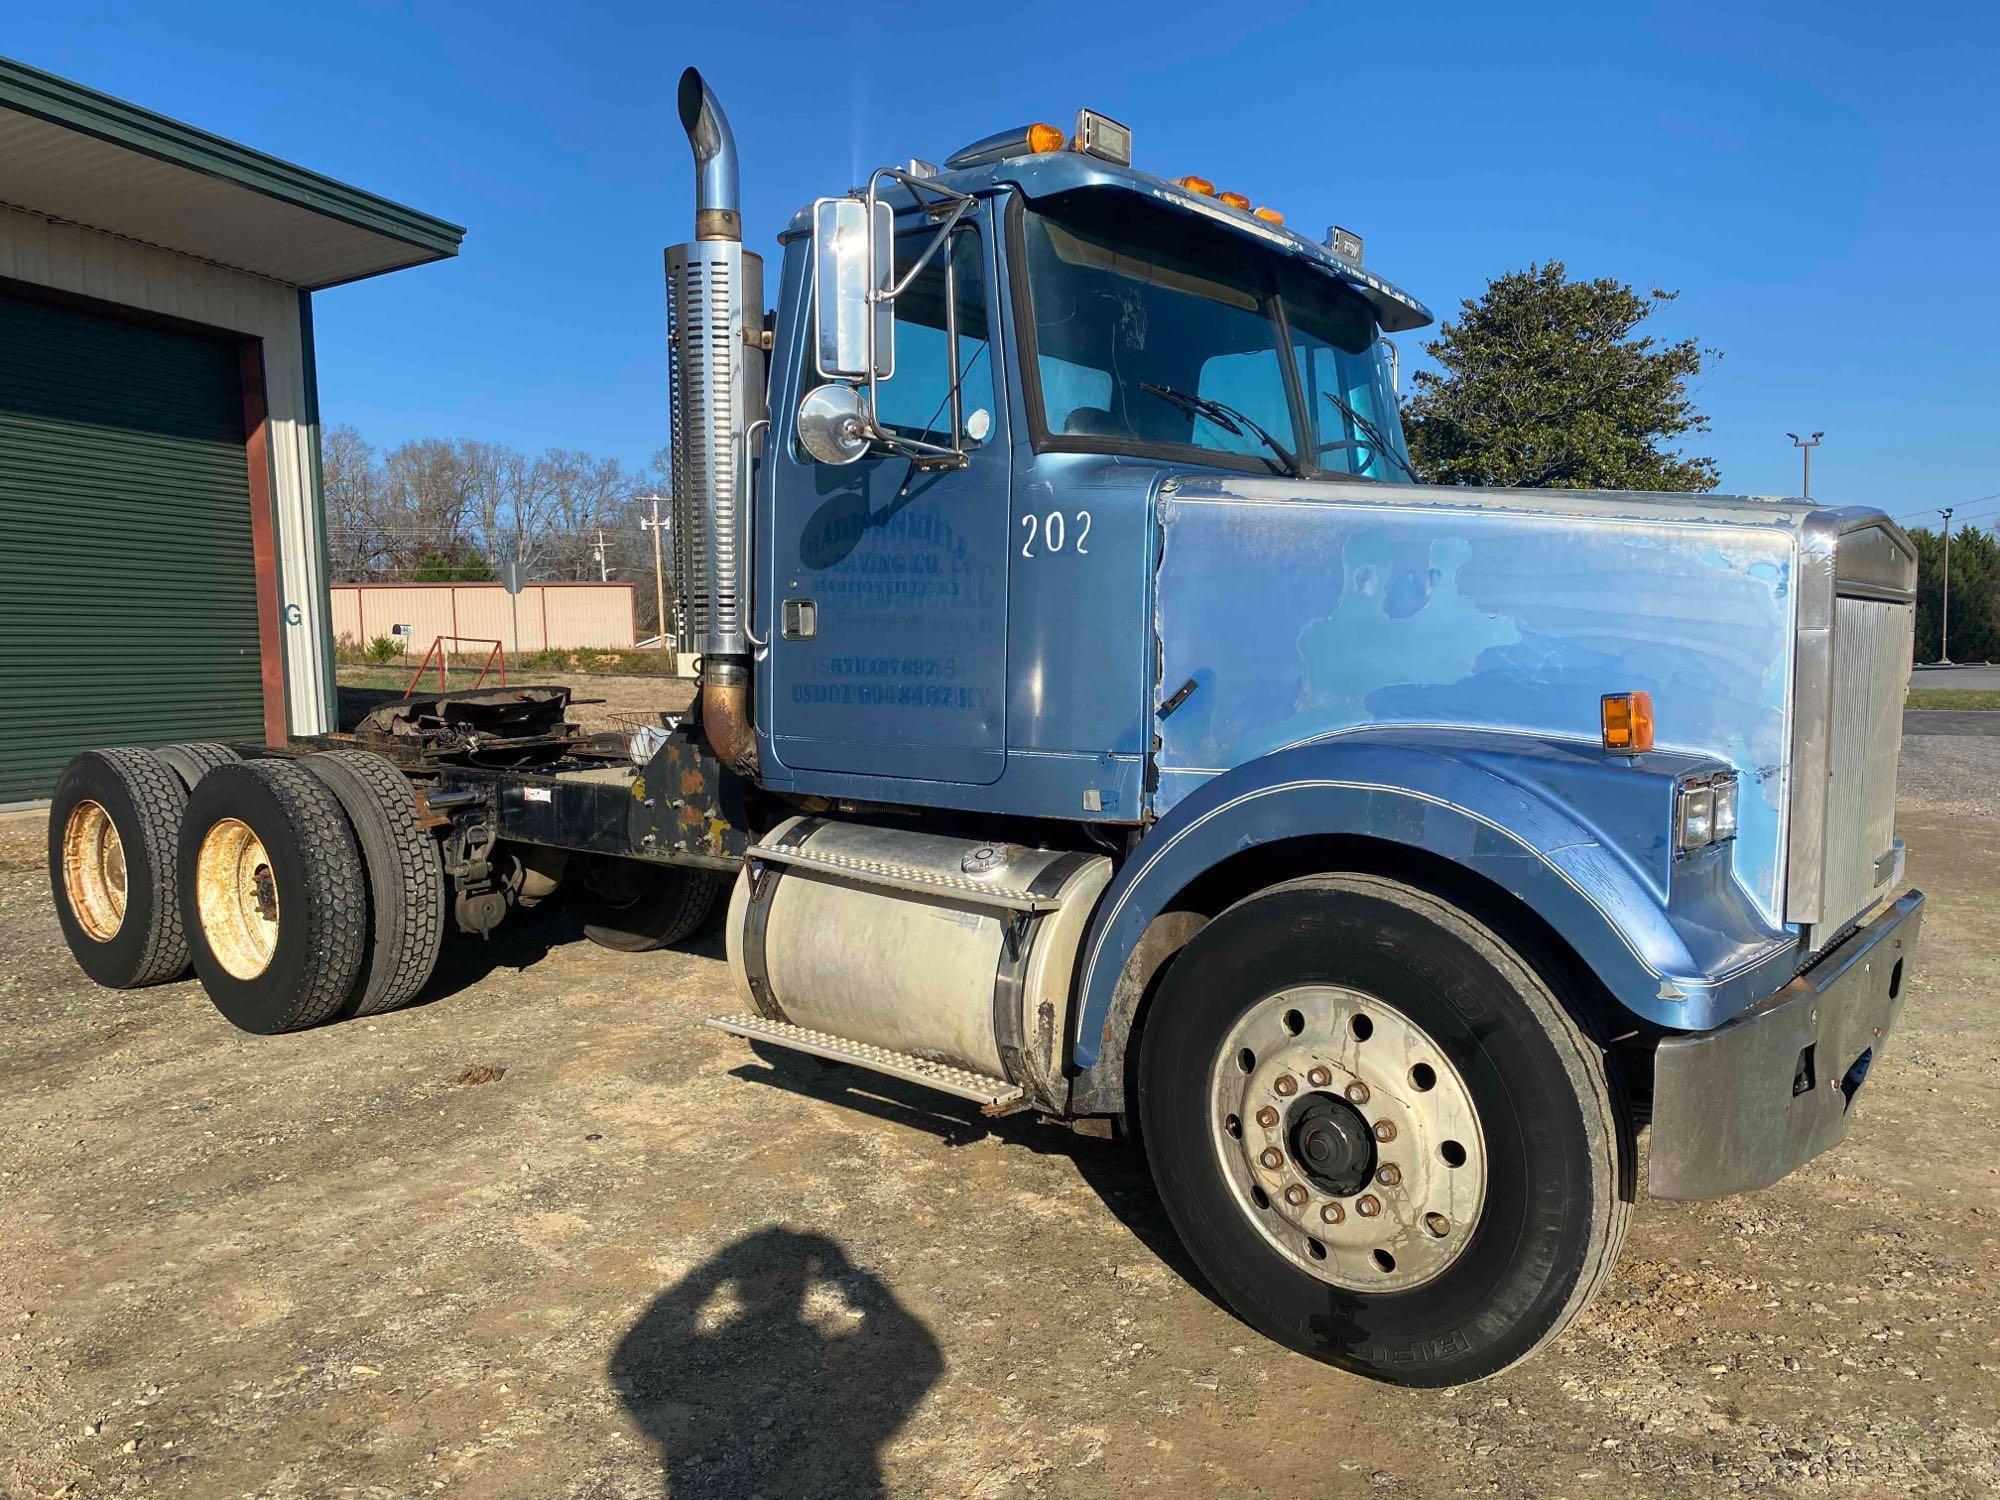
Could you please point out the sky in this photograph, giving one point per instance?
(1818, 181)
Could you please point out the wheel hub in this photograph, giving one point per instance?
(1332, 1144)
(1348, 1138)
(236, 898)
(93, 868)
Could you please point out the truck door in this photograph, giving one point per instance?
(889, 647)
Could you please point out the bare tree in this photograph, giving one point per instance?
(428, 496)
(356, 548)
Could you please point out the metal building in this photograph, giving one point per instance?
(162, 550)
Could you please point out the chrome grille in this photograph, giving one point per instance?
(1857, 581)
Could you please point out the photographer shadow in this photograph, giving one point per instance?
(776, 1367)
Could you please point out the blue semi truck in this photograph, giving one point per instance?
(1097, 717)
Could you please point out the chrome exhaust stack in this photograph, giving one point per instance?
(715, 377)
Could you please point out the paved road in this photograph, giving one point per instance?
(1950, 721)
(1977, 678)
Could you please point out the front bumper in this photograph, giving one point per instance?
(1737, 1108)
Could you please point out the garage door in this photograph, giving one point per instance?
(128, 594)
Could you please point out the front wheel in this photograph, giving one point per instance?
(1379, 1133)
(630, 906)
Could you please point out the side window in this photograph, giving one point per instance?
(916, 402)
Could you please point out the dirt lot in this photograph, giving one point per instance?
(638, 1257)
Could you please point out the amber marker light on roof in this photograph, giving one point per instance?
(1199, 185)
(1270, 216)
(1043, 139)
(1628, 723)
(1234, 200)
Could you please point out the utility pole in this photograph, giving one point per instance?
(656, 526)
(603, 573)
(1944, 620)
(1806, 446)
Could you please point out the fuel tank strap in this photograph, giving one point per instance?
(906, 878)
(764, 880)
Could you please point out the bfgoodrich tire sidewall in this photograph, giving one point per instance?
(1515, 1279)
(267, 1003)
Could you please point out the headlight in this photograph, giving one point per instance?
(1704, 810)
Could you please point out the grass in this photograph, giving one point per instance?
(603, 662)
(1953, 698)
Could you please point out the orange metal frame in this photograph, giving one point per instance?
(437, 650)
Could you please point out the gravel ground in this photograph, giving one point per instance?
(545, 1235)
(1952, 772)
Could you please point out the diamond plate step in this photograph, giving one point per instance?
(906, 878)
(978, 1087)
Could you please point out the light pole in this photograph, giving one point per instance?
(1944, 617)
(1806, 446)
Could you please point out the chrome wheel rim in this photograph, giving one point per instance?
(236, 895)
(1348, 1139)
(94, 876)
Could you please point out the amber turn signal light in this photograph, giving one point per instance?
(1043, 139)
(1628, 723)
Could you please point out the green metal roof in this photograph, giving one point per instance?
(69, 152)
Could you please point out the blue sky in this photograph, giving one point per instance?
(1818, 180)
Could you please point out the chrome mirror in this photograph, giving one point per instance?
(833, 424)
(850, 264)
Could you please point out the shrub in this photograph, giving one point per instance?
(382, 650)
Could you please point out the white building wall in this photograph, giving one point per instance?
(72, 258)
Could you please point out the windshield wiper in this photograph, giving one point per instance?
(1374, 435)
(1228, 418)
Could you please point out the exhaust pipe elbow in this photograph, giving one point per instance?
(718, 209)
(725, 714)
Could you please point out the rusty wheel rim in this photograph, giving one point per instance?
(1404, 1197)
(236, 898)
(94, 876)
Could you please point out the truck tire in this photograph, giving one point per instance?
(114, 826)
(1380, 1134)
(633, 907)
(192, 762)
(405, 877)
(276, 897)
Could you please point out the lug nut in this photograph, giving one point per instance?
(1267, 1117)
(1272, 1158)
(1389, 1175)
(1319, 1078)
(1332, 1213)
(1437, 1224)
(1296, 1195)
(1385, 1130)
(1357, 1092)
(1286, 1085)
(1368, 1205)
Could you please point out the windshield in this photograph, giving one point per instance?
(1153, 333)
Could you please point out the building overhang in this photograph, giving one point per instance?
(75, 155)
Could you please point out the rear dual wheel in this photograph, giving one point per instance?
(272, 880)
(113, 823)
(630, 906)
(1380, 1133)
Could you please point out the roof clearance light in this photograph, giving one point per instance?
(1043, 139)
(1345, 244)
(1270, 216)
(1628, 723)
(1103, 137)
(1199, 185)
(1234, 200)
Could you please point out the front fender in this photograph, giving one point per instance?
(1580, 837)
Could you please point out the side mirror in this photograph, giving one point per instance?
(843, 277)
(833, 427)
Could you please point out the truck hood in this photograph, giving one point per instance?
(1301, 610)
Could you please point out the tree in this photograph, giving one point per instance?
(1545, 382)
(452, 567)
(1975, 594)
(352, 480)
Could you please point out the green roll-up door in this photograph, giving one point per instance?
(128, 592)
